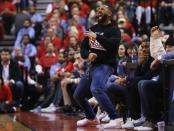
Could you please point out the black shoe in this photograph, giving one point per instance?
(65, 109)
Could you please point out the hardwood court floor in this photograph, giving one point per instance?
(26, 121)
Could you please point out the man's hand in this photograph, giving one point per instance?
(120, 80)
(92, 57)
(90, 34)
(154, 64)
(155, 32)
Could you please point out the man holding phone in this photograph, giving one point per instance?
(99, 47)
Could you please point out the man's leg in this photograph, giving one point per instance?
(18, 91)
(143, 100)
(100, 76)
(152, 91)
(80, 96)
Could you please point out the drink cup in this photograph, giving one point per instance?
(161, 126)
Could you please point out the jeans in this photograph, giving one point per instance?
(150, 92)
(18, 91)
(115, 90)
(54, 94)
(95, 81)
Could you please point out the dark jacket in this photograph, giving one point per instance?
(143, 72)
(105, 45)
(14, 70)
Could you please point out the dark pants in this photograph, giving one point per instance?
(150, 92)
(133, 100)
(118, 94)
(8, 22)
(95, 82)
(18, 91)
(54, 94)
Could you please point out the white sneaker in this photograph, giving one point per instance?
(87, 122)
(105, 119)
(101, 116)
(49, 109)
(142, 128)
(128, 125)
(36, 110)
(114, 124)
(139, 121)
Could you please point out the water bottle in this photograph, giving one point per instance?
(134, 56)
(120, 70)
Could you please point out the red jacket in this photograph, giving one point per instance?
(7, 5)
(146, 3)
(5, 94)
(47, 61)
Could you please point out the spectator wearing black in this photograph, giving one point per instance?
(10, 72)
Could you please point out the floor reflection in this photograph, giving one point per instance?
(26, 121)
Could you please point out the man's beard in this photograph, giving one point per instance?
(102, 19)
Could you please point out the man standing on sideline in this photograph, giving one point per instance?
(99, 47)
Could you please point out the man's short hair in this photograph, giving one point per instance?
(6, 50)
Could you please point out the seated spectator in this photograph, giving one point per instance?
(6, 98)
(124, 24)
(49, 58)
(84, 9)
(19, 19)
(23, 60)
(5, 93)
(41, 49)
(34, 16)
(92, 14)
(7, 12)
(71, 82)
(27, 29)
(55, 24)
(75, 13)
(11, 74)
(59, 15)
(27, 48)
(114, 87)
(54, 38)
(72, 32)
(54, 4)
(71, 42)
(52, 100)
(36, 20)
(151, 90)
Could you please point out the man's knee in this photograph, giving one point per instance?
(19, 85)
(95, 91)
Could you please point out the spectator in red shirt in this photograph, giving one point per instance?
(84, 9)
(75, 13)
(72, 32)
(49, 59)
(5, 92)
(55, 39)
(42, 46)
(8, 12)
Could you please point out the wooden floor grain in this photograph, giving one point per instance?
(26, 121)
